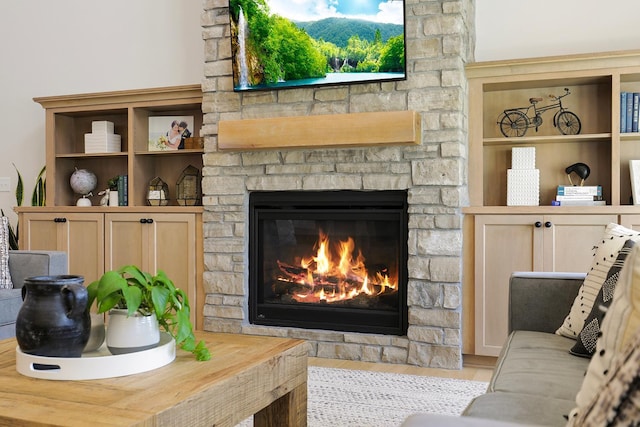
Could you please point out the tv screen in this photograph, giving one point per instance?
(296, 43)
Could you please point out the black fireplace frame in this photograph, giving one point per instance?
(387, 204)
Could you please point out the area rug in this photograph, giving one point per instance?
(353, 398)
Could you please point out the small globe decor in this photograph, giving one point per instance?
(188, 187)
(83, 182)
(158, 192)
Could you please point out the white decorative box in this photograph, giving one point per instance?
(523, 158)
(523, 187)
(102, 127)
(102, 143)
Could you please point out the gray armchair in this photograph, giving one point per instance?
(23, 264)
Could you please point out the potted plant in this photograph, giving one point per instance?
(139, 292)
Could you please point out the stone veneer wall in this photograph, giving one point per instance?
(439, 41)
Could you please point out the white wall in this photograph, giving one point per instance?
(75, 46)
(507, 29)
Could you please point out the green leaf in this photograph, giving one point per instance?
(19, 187)
(133, 299)
(159, 297)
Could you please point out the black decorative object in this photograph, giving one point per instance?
(53, 320)
(580, 169)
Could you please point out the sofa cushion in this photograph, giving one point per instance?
(10, 303)
(520, 408)
(586, 343)
(5, 275)
(620, 323)
(538, 364)
(606, 252)
(536, 379)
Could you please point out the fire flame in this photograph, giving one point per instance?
(324, 277)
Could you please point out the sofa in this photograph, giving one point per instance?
(536, 379)
(23, 264)
(572, 356)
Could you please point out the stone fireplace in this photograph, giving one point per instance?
(431, 172)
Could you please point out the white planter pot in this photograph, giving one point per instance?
(130, 334)
(113, 198)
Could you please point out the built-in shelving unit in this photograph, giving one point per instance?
(101, 238)
(501, 239)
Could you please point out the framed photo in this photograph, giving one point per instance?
(169, 132)
(634, 172)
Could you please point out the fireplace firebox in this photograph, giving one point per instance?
(334, 260)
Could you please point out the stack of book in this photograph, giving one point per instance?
(629, 111)
(574, 195)
(123, 191)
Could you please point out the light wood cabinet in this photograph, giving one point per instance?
(100, 238)
(80, 234)
(500, 239)
(508, 243)
(155, 242)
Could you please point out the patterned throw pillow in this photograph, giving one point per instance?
(619, 327)
(5, 276)
(616, 403)
(606, 252)
(586, 343)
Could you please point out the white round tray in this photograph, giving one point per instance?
(97, 364)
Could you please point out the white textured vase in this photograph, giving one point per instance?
(128, 334)
(113, 198)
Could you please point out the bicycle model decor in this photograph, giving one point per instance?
(516, 121)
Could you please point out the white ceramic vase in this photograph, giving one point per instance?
(97, 335)
(113, 198)
(128, 334)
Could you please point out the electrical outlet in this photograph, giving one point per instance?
(5, 183)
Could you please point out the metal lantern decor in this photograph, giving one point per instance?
(188, 189)
(158, 194)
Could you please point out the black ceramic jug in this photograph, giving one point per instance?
(54, 320)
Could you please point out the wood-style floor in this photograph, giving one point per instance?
(475, 368)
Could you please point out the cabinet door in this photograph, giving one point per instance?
(569, 240)
(126, 241)
(80, 235)
(630, 221)
(503, 244)
(155, 242)
(39, 231)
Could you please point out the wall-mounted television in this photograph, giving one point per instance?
(296, 43)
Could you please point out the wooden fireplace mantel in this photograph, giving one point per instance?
(335, 130)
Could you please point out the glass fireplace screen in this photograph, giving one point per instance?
(329, 260)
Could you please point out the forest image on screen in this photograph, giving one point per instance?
(292, 43)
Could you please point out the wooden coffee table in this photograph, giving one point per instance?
(247, 375)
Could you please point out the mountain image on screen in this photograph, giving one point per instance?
(292, 43)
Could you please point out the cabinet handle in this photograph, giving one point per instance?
(59, 219)
(149, 220)
(146, 221)
(548, 224)
(538, 224)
